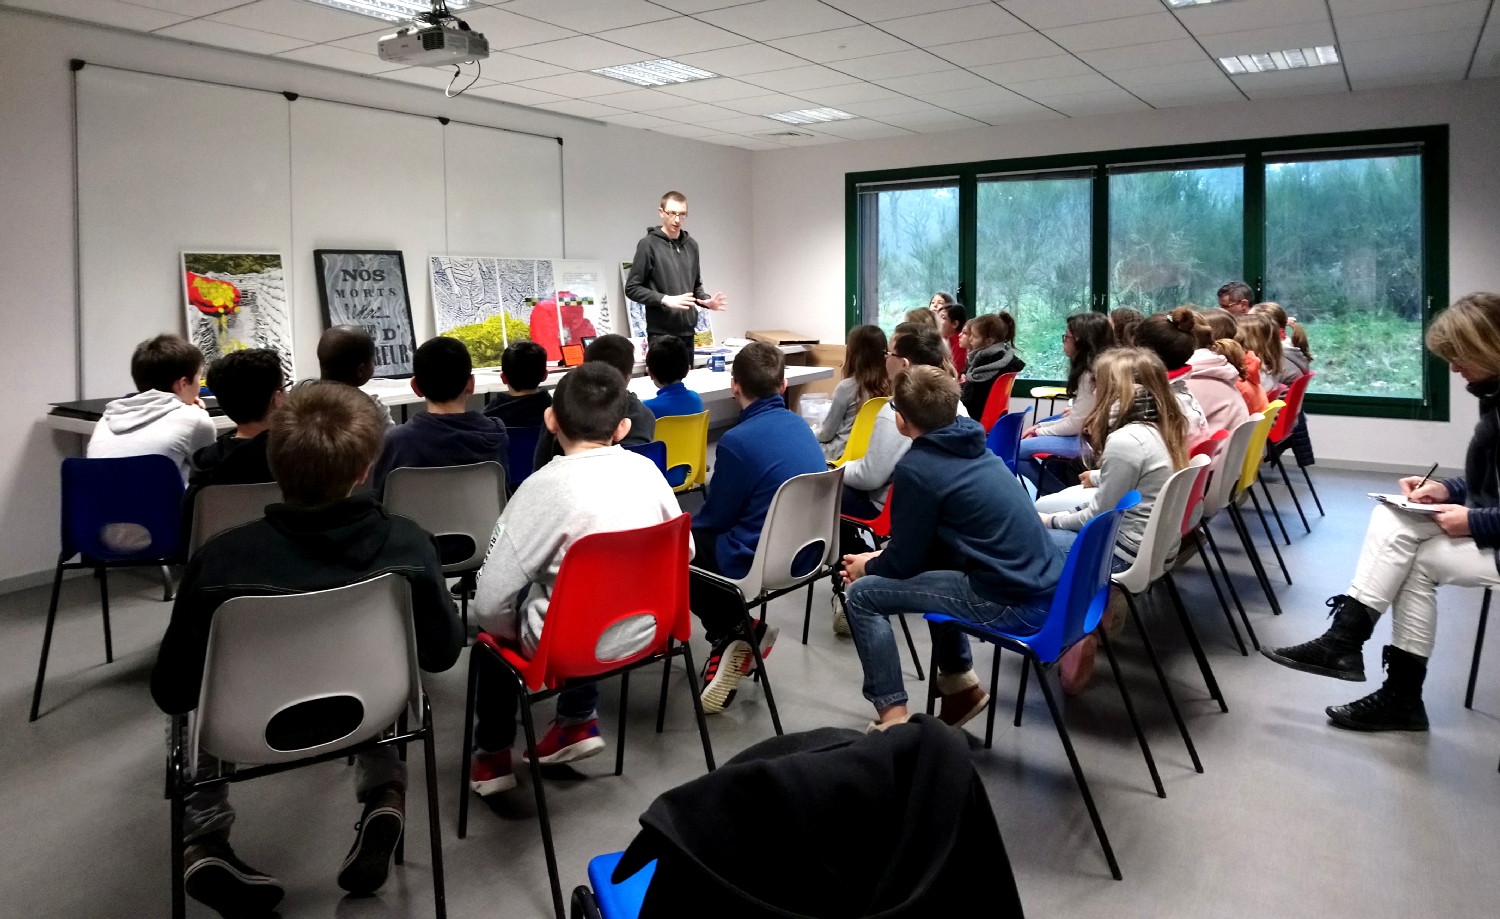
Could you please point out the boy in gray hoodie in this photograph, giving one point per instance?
(166, 416)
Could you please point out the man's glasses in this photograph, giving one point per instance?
(680, 215)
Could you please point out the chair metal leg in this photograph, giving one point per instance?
(624, 710)
(179, 814)
(1192, 637)
(1269, 538)
(1254, 554)
(1307, 478)
(911, 645)
(692, 686)
(109, 647)
(468, 759)
(434, 825)
(41, 667)
(1161, 677)
(399, 856)
(760, 668)
(1229, 582)
(1228, 616)
(1265, 487)
(1083, 785)
(932, 671)
(1291, 491)
(807, 612)
(1135, 722)
(463, 605)
(989, 720)
(666, 679)
(1021, 689)
(168, 592)
(1484, 618)
(541, 798)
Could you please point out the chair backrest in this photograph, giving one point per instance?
(1004, 439)
(1257, 449)
(686, 437)
(653, 450)
(880, 525)
(296, 675)
(605, 579)
(217, 508)
(859, 435)
(1225, 478)
(998, 403)
(459, 502)
(121, 509)
(1083, 590)
(804, 512)
(523, 443)
(1289, 415)
(1210, 448)
(1163, 528)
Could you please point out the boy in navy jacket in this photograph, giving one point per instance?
(965, 540)
(765, 448)
(668, 362)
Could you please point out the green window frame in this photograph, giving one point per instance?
(1429, 142)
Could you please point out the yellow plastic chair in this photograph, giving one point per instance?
(1251, 472)
(859, 435)
(686, 437)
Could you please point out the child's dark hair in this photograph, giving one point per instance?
(614, 350)
(160, 362)
(524, 364)
(245, 382)
(956, 314)
(324, 436)
(864, 361)
(589, 402)
(759, 368)
(668, 359)
(1125, 321)
(442, 368)
(1173, 336)
(919, 343)
(344, 352)
(1092, 336)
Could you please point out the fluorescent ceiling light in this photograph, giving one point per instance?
(391, 10)
(1290, 59)
(811, 116)
(655, 73)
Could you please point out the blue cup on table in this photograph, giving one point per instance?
(716, 363)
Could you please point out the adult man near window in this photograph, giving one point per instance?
(1236, 297)
(665, 277)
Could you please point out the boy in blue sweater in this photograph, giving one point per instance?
(765, 448)
(965, 540)
(668, 362)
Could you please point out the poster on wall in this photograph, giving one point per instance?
(703, 333)
(368, 288)
(235, 301)
(487, 303)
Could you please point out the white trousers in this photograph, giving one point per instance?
(1404, 559)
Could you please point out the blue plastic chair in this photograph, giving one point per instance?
(1077, 605)
(145, 491)
(522, 452)
(1004, 439)
(608, 900)
(656, 452)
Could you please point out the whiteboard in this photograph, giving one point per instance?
(166, 165)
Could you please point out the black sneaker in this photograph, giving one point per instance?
(1395, 706)
(379, 829)
(213, 876)
(1338, 652)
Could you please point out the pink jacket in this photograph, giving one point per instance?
(1212, 382)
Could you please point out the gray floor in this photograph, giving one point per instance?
(1292, 818)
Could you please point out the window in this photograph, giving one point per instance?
(1033, 259)
(1175, 235)
(910, 243)
(1344, 256)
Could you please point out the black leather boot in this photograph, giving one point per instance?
(1338, 652)
(1396, 706)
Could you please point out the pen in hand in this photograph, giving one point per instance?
(1425, 478)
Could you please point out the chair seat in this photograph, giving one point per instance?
(508, 651)
(1001, 637)
(622, 900)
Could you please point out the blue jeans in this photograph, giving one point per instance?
(1054, 444)
(872, 599)
(1064, 540)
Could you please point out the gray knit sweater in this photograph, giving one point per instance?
(1134, 457)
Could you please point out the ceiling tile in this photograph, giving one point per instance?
(646, 100)
(1176, 51)
(365, 43)
(673, 37)
(861, 129)
(1277, 38)
(1170, 73)
(839, 96)
(879, 10)
(797, 79)
(963, 24)
(577, 85)
(184, 7)
(1040, 113)
(749, 143)
(581, 52)
(746, 124)
(933, 122)
(583, 108)
(511, 68)
(107, 12)
(1444, 18)
(699, 113)
(295, 18)
(1412, 79)
(765, 105)
(841, 44)
(1213, 18)
(1041, 68)
(516, 95)
(1185, 102)
(507, 30)
(997, 112)
(1454, 46)
(1164, 93)
(589, 16)
(1050, 14)
(223, 35)
(1487, 56)
(770, 19)
(344, 59)
(988, 96)
(1285, 82)
(1000, 50)
(742, 59)
(883, 108)
(1115, 33)
(692, 7)
(1064, 86)
(1371, 68)
(636, 120)
(685, 130)
(1096, 103)
(940, 81)
(712, 90)
(427, 76)
(886, 66)
(1359, 7)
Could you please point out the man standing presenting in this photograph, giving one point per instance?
(664, 276)
(1236, 297)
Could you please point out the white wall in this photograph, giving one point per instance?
(613, 178)
(799, 215)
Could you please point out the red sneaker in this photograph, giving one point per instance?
(492, 773)
(569, 744)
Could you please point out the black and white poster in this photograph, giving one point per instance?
(368, 288)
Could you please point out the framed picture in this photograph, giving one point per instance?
(235, 301)
(367, 288)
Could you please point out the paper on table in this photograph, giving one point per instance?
(1400, 503)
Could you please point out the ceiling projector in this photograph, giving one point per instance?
(434, 44)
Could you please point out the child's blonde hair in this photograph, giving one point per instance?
(1257, 332)
(1468, 332)
(926, 317)
(1119, 374)
(1295, 333)
(1231, 351)
(991, 328)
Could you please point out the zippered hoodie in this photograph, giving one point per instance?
(1212, 381)
(958, 507)
(984, 366)
(665, 267)
(152, 422)
(873, 472)
(442, 440)
(297, 549)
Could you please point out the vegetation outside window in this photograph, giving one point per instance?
(909, 249)
(1175, 234)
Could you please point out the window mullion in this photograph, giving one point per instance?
(1099, 273)
(968, 242)
(1255, 223)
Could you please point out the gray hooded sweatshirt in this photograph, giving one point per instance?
(152, 422)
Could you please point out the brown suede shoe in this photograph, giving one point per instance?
(959, 708)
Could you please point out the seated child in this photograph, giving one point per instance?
(595, 486)
(1294, 349)
(447, 434)
(767, 446)
(247, 385)
(323, 442)
(991, 347)
(1086, 336)
(1257, 333)
(1174, 338)
(1125, 321)
(1239, 359)
(346, 354)
(964, 541)
(951, 322)
(667, 363)
(165, 416)
(619, 353)
(523, 367)
(864, 379)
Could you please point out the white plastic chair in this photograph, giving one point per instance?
(452, 501)
(299, 679)
(222, 507)
(1222, 490)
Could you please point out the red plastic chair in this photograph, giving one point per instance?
(998, 403)
(1280, 431)
(880, 530)
(605, 578)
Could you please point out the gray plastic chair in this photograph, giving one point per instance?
(299, 679)
(452, 501)
(1220, 496)
(221, 507)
